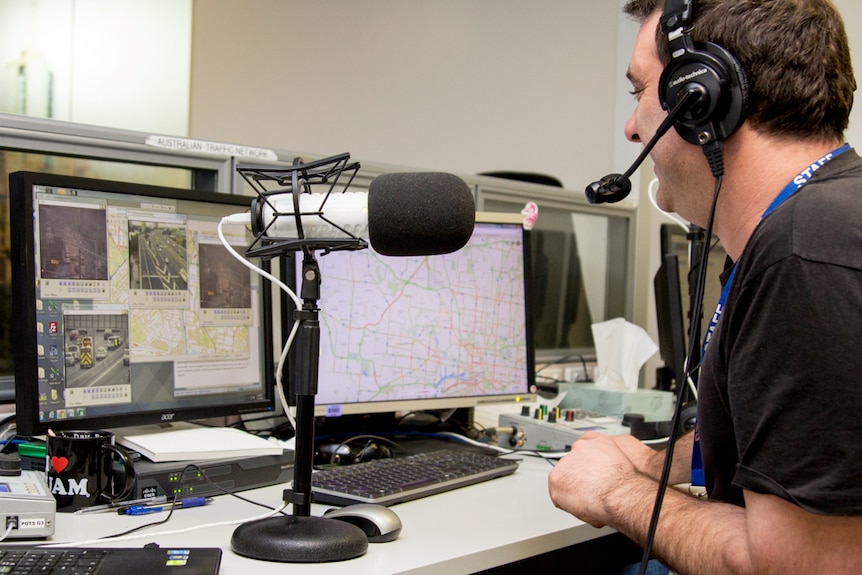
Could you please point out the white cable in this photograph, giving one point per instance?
(8, 531)
(504, 450)
(11, 430)
(652, 191)
(243, 219)
(691, 387)
(147, 534)
(465, 439)
(689, 381)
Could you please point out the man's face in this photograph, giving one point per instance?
(679, 166)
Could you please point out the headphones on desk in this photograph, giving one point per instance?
(707, 69)
(346, 453)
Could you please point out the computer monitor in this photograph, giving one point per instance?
(670, 321)
(401, 334)
(127, 308)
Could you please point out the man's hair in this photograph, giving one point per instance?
(795, 54)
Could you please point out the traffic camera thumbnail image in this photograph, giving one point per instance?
(73, 243)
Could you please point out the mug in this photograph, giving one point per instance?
(79, 466)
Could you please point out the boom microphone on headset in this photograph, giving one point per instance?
(615, 187)
(402, 214)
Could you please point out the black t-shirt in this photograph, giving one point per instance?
(780, 392)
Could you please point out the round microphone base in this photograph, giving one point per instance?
(292, 539)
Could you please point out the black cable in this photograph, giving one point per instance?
(192, 466)
(173, 501)
(718, 171)
(564, 359)
(551, 385)
(145, 525)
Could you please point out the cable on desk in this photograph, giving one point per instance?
(173, 532)
(548, 455)
(192, 466)
(128, 535)
(119, 536)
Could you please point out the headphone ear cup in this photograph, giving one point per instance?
(372, 451)
(723, 86)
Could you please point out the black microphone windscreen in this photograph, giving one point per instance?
(609, 190)
(419, 213)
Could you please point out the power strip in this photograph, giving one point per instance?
(553, 430)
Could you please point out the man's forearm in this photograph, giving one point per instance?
(651, 466)
(693, 536)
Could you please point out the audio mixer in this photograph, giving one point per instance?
(551, 430)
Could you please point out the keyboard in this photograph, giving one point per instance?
(400, 479)
(109, 561)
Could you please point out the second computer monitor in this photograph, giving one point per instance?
(432, 332)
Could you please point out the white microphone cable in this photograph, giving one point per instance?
(245, 218)
(652, 192)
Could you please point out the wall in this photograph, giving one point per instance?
(461, 86)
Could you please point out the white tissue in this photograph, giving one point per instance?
(621, 350)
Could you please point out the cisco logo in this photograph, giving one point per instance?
(168, 416)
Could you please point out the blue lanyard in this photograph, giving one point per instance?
(697, 477)
(790, 189)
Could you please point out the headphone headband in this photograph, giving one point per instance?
(677, 14)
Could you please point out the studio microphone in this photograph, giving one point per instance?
(402, 214)
(615, 187)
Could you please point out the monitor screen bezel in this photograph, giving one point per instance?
(529, 394)
(22, 230)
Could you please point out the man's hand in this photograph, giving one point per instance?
(584, 481)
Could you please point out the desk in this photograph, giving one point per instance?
(467, 530)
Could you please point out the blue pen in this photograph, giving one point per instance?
(182, 504)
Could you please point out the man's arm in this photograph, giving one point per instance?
(650, 461)
(598, 483)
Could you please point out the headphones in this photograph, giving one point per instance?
(704, 90)
(707, 69)
(344, 454)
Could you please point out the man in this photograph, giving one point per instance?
(780, 385)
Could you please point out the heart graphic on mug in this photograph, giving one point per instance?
(58, 464)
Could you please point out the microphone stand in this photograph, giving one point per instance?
(308, 344)
(301, 537)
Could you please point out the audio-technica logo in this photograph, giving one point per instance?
(687, 77)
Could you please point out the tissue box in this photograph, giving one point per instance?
(653, 404)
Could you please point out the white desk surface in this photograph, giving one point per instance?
(462, 531)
